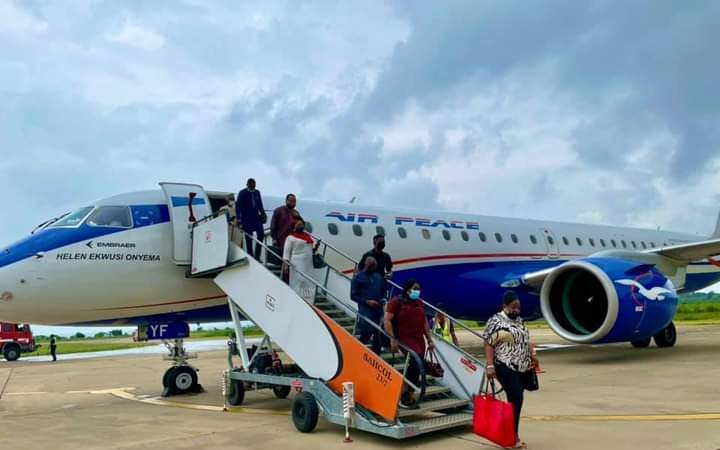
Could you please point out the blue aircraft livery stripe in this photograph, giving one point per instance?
(183, 201)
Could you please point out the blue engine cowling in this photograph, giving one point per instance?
(601, 300)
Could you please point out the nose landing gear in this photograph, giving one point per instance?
(182, 377)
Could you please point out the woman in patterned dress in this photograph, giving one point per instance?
(507, 351)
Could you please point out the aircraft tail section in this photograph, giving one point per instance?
(716, 233)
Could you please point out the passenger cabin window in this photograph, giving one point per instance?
(425, 233)
(633, 244)
(612, 241)
(357, 230)
(110, 216)
(602, 242)
(7, 328)
(533, 239)
(333, 229)
(380, 231)
(579, 241)
(74, 218)
(465, 236)
(550, 240)
(482, 236)
(565, 241)
(498, 237)
(624, 244)
(446, 235)
(652, 244)
(592, 242)
(643, 244)
(402, 232)
(514, 238)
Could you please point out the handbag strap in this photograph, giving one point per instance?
(489, 384)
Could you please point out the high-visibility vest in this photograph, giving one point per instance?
(444, 331)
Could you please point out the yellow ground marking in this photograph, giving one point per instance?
(124, 394)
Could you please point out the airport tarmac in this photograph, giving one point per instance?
(591, 398)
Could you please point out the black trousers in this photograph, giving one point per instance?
(512, 382)
(253, 229)
(52, 353)
(413, 370)
(369, 333)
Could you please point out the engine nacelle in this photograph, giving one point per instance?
(600, 300)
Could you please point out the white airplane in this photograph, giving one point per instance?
(121, 261)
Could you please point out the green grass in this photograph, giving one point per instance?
(698, 311)
(223, 333)
(89, 345)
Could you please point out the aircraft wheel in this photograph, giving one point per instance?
(166, 377)
(11, 352)
(236, 392)
(667, 337)
(182, 380)
(281, 391)
(305, 412)
(642, 343)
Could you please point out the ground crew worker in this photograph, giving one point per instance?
(445, 328)
(53, 347)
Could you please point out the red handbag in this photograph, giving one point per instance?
(432, 365)
(493, 419)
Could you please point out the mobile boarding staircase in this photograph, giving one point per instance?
(317, 333)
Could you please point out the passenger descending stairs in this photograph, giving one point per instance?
(439, 409)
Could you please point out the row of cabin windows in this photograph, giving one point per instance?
(465, 236)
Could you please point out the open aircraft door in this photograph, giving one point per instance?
(186, 203)
(553, 251)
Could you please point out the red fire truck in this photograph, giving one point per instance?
(15, 338)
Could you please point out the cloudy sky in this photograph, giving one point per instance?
(594, 111)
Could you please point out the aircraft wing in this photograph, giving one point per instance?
(681, 254)
(690, 252)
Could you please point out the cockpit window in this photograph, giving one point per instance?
(73, 219)
(110, 216)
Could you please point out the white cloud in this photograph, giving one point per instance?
(136, 35)
(16, 22)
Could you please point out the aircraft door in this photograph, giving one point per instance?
(553, 252)
(187, 203)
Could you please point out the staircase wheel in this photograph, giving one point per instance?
(305, 412)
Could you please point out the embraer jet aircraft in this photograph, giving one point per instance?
(119, 261)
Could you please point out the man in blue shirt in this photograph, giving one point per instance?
(251, 216)
(367, 289)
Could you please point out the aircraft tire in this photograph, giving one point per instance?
(305, 412)
(182, 380)
(281, 391)
(11, 352)
(642, 343)
(667, 337)
(166, 377)
(236, 393)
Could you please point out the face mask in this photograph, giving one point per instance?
(512, 315)
(414, 294)
(299, 229)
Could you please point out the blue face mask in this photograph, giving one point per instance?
(414, 294)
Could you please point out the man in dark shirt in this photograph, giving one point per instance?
(282, 222)
(367, 289)
(251, 216)
(53, 347)
(384, 261)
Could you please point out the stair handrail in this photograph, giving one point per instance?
(397, 286)
(419, 361)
